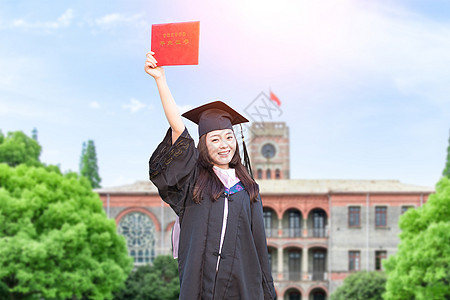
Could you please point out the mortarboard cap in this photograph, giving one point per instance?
(214, 116)
(217, 115)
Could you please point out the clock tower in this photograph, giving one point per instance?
(269, 150)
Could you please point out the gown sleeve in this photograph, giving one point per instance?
(172, 169)
(259, 236)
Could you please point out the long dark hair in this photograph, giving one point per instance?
(208, 184)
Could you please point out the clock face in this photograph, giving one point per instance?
(268, 150)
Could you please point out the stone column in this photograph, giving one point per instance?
(305, 263)
(280, 263)
(305, 257)
(305, 227)
(305, 296)
(280, 227)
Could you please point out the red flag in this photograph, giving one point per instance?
(274, 98)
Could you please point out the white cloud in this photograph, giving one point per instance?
(135, 105)
(62, 21)
(117, 19)
(94, 104)
(344, 43)
(108, 19)
(66, 18)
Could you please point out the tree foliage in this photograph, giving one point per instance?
(362, 285)
(159, 281)
(17, 148)
(55, 239)
(4, 294)
(88, 164)
(446, 171)
(421, 268)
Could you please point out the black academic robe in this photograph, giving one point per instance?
(244, 271)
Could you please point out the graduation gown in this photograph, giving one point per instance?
(243, 271)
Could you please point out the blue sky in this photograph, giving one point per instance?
(364, 86)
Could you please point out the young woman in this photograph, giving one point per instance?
(222, 250)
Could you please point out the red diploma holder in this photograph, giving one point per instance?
(176, 43)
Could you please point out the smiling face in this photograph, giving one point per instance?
(221, 145)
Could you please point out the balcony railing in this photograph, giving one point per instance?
(318, 232)
(316, 275)
(292, 276)
(299, 276)
(292, 232)
(297, 232)
(271, 232)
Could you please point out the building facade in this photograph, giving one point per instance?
(318, 231)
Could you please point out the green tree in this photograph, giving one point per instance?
(362, 285)
(17, 148)
(421, 268)
(4, 294)
(158, 281)
(55, 239)
(446, 171)
(88, 164)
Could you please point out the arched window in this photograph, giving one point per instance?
(293, 294)
(319, 264)
(317, 294)
(277, 174)
(259, 174)
(319, 220)
(268, 174)
(139, 232)
(295, 223)
(294, 264)
(267, 217)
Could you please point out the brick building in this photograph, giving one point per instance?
(318, 231)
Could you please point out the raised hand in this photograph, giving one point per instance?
(151, 67)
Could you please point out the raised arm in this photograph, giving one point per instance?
(168, 103)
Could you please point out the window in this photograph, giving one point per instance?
(259, 174)
(268, 174)
(277, 174)
(268, 151)
(380, 216)
(379, 256)
(295, 223)
(318, 265)
(319, 223)
(267, 215)
(354, 260)
(267, 219)
(405, 208)
(294, 295)
(269, 252)
(354, 216)
(294, 265)
(318, 295)
(139, 232)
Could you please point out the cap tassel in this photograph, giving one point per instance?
(246, 156)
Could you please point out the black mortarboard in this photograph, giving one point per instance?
(214, 116)
(217, 115)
